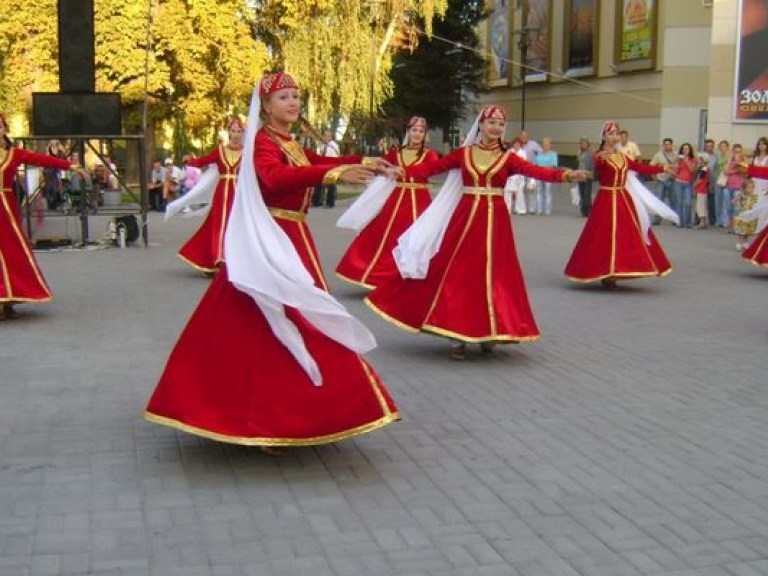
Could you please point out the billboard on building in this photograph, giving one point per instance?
(499, 42)
(581, 30)
(537, 18)
(751, 83)
(636, 45)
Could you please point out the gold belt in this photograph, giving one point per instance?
(287, 214)
(411, 185)
(228, 176)
(613, 188)
(478, 191)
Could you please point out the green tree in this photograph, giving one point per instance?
(437, 78)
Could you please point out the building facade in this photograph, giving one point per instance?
(662, 68)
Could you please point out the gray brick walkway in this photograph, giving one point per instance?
(631, 440)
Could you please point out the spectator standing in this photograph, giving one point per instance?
(587, 163)
(547, 158)
(629, 148)
(708, 157)
(720, 177)
(746, 200)
(760, 158)
(687, 164)
(515, 185)
(665, 183)
(532, 148)
(734, 171)
(52, 176)
(173, 177)
(190, 175)
(156, 180)
(330, 149)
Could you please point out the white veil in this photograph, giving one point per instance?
(263, 263)
(422, 240)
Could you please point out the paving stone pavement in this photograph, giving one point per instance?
(632, 439)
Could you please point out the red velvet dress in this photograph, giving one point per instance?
(230, 379)
(205, 249)
(20, 276)
(474, 290)
(757, 251)
(611, 245)
(368, 261)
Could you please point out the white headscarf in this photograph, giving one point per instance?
(263, 263)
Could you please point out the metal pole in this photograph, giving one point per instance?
(143, 191)
(84, 196)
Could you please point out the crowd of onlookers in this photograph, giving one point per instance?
(706, 188)
(65, 189)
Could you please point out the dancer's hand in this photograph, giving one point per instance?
(576, 175)
(357, 174)
(670, 168)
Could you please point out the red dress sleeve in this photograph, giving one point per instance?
(276, 174)
(642, 168)
(316, 158)
(517, 165)
(25, 157)
(210, 158)
(434, 165)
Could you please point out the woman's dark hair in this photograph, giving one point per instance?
(8, 141)
(690, 149)
(762, 139)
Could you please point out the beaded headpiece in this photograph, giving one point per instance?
(271, 83)
(608, 126)
(417, 121)
(493, 111)
(235, 121)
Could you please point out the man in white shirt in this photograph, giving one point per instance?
(629, 147)
(173, 177)
(327, 148)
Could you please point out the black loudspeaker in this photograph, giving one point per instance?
(131, 226)
(96, 114)
(77, 62)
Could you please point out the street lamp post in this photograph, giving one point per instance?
(523, 42)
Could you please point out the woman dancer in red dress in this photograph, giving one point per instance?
(617, 242)
(205, 249)
(757, 251)
(368, 260)
(20, 277)
(461, 276)
(269, 358)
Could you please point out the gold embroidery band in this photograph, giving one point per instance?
(287, 214)
(479, 191)
(414, 185)
(227, 176)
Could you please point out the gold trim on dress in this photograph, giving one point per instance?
(476, 339)
(480, 191)
(388, 418)
(195, 266)
(355, 282)
(379, 312)
(293, 215)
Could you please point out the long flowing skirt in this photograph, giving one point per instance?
(611, 245)
(230, 379)
(368, 261)
(757, 252)
(20, 277)
(474, 290)
(205, 249)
